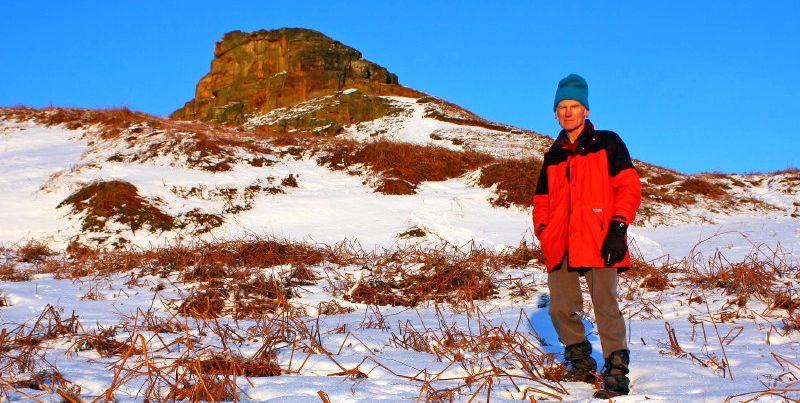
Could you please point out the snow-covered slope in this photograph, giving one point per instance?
(237, 178)
(688, 343)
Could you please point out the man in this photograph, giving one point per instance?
(587, 195)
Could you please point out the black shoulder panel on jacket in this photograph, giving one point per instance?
(541, 185)
(618, 156)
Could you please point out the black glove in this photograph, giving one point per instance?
(615, 246)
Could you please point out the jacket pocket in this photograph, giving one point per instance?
(596, 226)
(600, 215)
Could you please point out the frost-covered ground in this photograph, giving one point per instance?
(759, 354)
(328, 207)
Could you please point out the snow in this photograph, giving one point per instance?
(30, 155)
(331, 206)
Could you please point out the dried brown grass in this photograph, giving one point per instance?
(226, 282)
(22, 350)
(10, 272)
(401, 167)
(515, 181)
(116, 200)
(410, 277)
(488, 351)
(664, 178)
(105, 345)
(113, 120)
(34, 251)
(204, 145)
(702, 187)
(750, 278)
(646, 275)
(522, 255)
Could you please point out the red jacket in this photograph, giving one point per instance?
(580, 190)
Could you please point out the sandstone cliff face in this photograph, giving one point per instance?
(257, 72)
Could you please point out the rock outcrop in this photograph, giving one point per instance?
(254, 73)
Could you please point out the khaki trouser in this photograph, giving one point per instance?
(566, 301)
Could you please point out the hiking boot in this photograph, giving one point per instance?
(579, 362)
(605, 394)
(615, 381)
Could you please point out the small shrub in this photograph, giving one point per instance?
(205, 272)
(643, 274)
(268, 253)
(746, 279)
(301, 275)
(204, 304)
(413, 232)
(441, 278)
(227, 364)
(213, 377)
(105, 346)
(522, 254)
(515, 180)
(701, 187)
(34, 252)
(663, 179)
(201, 222)
(289, 181)
(9, 272)
(397, 187)
(785, 301)
(117, 200)
(333, 308)
(395, 162)
(261, 295)
(654, 283)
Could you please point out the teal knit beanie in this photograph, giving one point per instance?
(574, 87)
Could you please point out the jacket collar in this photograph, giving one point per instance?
(585, 139)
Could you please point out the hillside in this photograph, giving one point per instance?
(205, 179)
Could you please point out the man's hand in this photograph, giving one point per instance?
(615, 246)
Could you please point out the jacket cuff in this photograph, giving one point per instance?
(620, 218)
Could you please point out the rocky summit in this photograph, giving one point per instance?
(258, 72)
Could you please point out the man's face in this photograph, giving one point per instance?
(570, 114)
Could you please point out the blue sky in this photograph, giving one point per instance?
(690, 85)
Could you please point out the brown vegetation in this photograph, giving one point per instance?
(225, 281)
(203, 145)
(289, 181)
(697, 186)
(34, 251)
(522, 255)
(515, 180)
(401, 166)
(10, 272)
(663, 179)
(750, 278)
(119, 201)
(113, 121)
(443, 277)
(200, 222)
(413, 232)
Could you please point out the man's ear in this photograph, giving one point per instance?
(586, 113)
